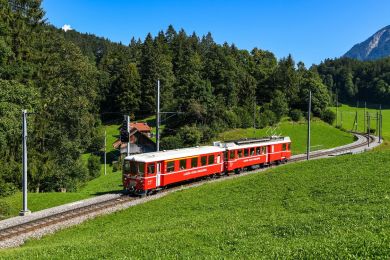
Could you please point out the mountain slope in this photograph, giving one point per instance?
(375, 47)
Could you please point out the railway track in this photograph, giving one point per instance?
(14, 231)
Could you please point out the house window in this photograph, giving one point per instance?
(239, 153)
(257, 150)
(203, 160)
(232, 154)
(211, 159)
(252, 151)
(183, 164)
(170, 166)
(246, 152)
(194, 162)
(151, 168)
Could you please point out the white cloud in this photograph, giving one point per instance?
(66, 27)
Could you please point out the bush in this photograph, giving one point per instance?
(171, 142)
(94, 166)
(296, 115)
(4, 209)
(328, 116)
(190, 135)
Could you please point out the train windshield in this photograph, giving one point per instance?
(130, 167)
(134, 168)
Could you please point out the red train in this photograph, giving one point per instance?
(148, 172)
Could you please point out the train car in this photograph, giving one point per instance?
(253, 153)
(150, 171)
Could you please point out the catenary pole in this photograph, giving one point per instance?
(128, 131)
(380, 123)
(25, 211)
(308, 128)
(337, 109)
(365, 109)
(158, 118)
(368, 129)
(105, 152)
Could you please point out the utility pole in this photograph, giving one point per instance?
(25, 211)
(337, 108)
(365, 108)
(308, 128)
(158, 118)
(341, 119)
(380, 123)
(105, 152)
(368, 130)
(128, 131)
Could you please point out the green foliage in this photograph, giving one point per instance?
(357, 80)
(171, 142)
(318, 209)
(296, 115)
(94, 166)
(328, 116)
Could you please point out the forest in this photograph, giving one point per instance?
(73, 83)
(354, 80)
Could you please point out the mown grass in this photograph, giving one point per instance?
(347, 114)
(329, 208)
(322, 135)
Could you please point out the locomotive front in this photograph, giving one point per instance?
(133, 173)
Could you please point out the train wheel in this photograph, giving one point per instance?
(238, 171)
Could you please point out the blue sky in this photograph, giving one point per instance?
(311, 30)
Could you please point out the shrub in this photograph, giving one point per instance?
(94, 166)
(296, 115)
(328, 116)
(171, 142)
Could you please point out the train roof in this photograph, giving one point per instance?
(174, 154)
(247, 143)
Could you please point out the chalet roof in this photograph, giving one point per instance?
(140, 126)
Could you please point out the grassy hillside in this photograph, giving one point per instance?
(348, 116)
(322, 135)
(330, 208)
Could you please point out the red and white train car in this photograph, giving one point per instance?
(256, 152)
(151, 171)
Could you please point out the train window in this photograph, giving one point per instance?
(232, 154)
(151, 168)
(211, 159)
(264, 149)
(252, 151)
(194, 162)
(203, 160)
(239, 153)
(257, 150)
(141, 167)
(133, 167)
(126, 166)
(170, 166)
(183, 164)
(284, 147)
(246, 152)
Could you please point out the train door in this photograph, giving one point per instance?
(219, 160)
(158, 175)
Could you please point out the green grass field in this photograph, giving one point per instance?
(329, 208)
(347, 114)
(322, 135)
